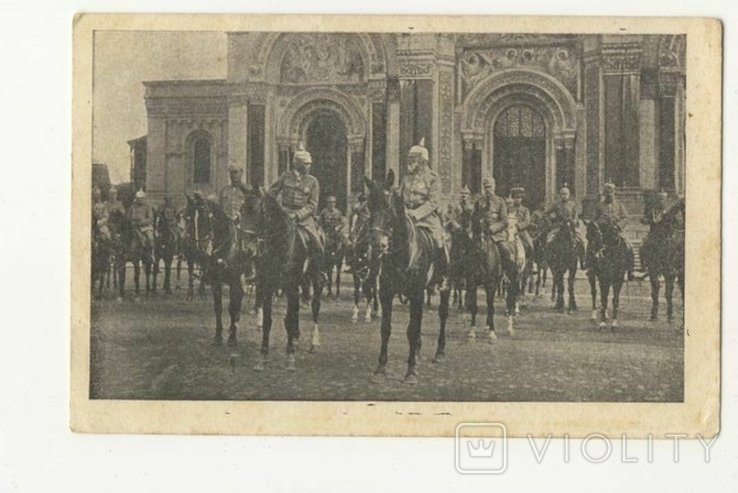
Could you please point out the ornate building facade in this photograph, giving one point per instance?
(538, 111)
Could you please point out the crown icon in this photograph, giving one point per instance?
(480, 450)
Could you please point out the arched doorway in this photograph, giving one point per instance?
(519, 158)
(326, 140)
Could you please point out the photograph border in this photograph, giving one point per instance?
(698, 414)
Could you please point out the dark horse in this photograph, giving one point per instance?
(282, 264)
(364, 270)
(484, 266)
(128, 246)
(192, 246)
(334, 253)
(101, 255)
(608, 255)
(561, 256)
(223, 260)
(662, 254)
(405, 254)
(166, 244)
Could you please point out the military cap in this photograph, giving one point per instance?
(140, 194)
(488, 181)
(517, 192)
(609, 184)
(234, 167)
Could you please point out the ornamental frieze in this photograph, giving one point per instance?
(561, 62)
(416, 69)
(621, 60)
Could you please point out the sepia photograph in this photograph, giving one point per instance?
(376, 216)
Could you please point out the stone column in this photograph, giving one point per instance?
(393, 125)
(156, 156)
(593, 113)
(238, 133)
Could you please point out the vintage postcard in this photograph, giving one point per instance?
(396, 226)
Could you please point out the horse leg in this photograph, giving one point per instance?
(121, 273)
(572, 299)
(155, 273)
(136, 278)
(511, 300)
(167, 274)
(558, 288)
(371, 296)
(292, 323)
(264, 298)
(592, 278)
(315, 306)
(655, 288)
(147, 273)
(357, 296)
(234, 308)
(386, 295)
(616, 303)
(443, 308)
(190, 280)
(413, 335)
(179, 270)
(471, 308)
(218, 309)
(339, 266)
(490, 292)
(604, 293)
(669, 294)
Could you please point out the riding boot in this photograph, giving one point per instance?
(581, 253)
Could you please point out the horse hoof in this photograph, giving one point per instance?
(439, 358)
(290, 366)
(603, 325)
(492, 338)
(410, 379)
(217, 341)
(614, 324)
(137, 299)
(594, 316)
(472, 334)
(259, 366)
(232, 341)
(119, 299)
(367, 319)
(378, 377)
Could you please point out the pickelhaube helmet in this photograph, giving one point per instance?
(140, 194)
(302, 156)
(233, 166)
(609, 184)
(419, 150)
(517, 192)
(465, 191)
(488, 181)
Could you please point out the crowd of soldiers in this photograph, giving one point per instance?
(299, 194)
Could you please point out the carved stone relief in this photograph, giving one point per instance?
(321, 57)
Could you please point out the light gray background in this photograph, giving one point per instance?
(37, 451)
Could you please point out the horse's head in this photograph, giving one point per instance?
(382, 205)
(594, 235)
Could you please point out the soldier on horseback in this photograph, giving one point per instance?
(232, 199)
(461, 216)
(141, 216)
(420, 191)
(522, 214)
(494, 217)
(168, 213)
(115, 206)
(331, 220)
(100, 214)
(559, 213)
(611, 210)
(300, 192)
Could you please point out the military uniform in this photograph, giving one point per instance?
(300, 195)
(231, 200)
(142, 219)
(494, 221)
(331, 220)
(168, 213)
(420, 193)
(560, 212)
(461, 217)
(100, 215)
(523, 221)
(613, 211)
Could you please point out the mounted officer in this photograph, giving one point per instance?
(420, 192)
(611, 210)
(100, 214)
(461, 216)
(565, 209)
(331, 220)
(493, 209)
(300, 193)
(141, 216)
(115, 206)
(522, 215)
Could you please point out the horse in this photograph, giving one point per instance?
(662, 254)
(166, 244)
(101, 255)
(334, 254)
(484, 266)
(223, 259)
(284, 262)
(561, 256)
(405, 254)
(364, 271)
(608, 256)
(129, 246)
(190, 248)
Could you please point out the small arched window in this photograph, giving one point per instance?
(201, 161)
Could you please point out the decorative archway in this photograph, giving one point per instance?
(539, 91)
